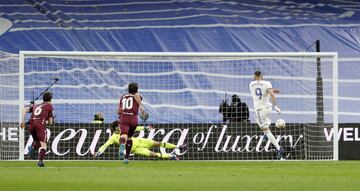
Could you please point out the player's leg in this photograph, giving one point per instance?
(146, 152)
(169, 146)
(143, 148)
(129, 143)
(165, 145)
(41, 135)
(164, 156)
(263, 120)
(124, 128)
(42, 153)
(260, 123)
(128, 146)
(133, 123)
(142, 151)
(35, 144)
(155, 144)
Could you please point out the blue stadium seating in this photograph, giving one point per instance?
(184, 25)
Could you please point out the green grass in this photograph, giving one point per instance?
(181, 175)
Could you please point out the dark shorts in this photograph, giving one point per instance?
(128, 125)
(38, 132)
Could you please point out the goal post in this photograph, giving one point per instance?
(336, 106)
(182, 92)
(21, 104)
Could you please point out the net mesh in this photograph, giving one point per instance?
(183, 95)
(9, 106)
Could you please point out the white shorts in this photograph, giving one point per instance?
(262, 117)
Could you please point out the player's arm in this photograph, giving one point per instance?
(140, 128)
(275, 90)
(103, 147)
(272, 95)
(138, 100)
(23, 115)
(50, 120)
(272, 92)
(143, 114)
(119, 111)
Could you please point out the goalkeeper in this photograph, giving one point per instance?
(141, 146)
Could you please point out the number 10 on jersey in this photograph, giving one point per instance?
(127, 103)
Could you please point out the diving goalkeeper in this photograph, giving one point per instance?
(141, 146)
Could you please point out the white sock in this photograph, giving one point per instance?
(272, 139)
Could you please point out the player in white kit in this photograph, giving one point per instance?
(261, 91)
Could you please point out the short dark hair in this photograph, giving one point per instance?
(133, 88)
(47, 96)
(257, 73)
(114, 125)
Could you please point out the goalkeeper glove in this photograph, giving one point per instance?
(277, 109)
(149, 127)
(98, 153)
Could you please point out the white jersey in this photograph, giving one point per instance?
(259, 92)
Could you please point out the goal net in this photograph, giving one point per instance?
(9, 106)
(187, 95)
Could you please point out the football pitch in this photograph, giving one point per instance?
(180, 175)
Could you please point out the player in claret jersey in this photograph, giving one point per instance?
(41, 115)
(129, 106)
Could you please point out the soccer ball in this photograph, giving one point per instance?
(280, 123)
